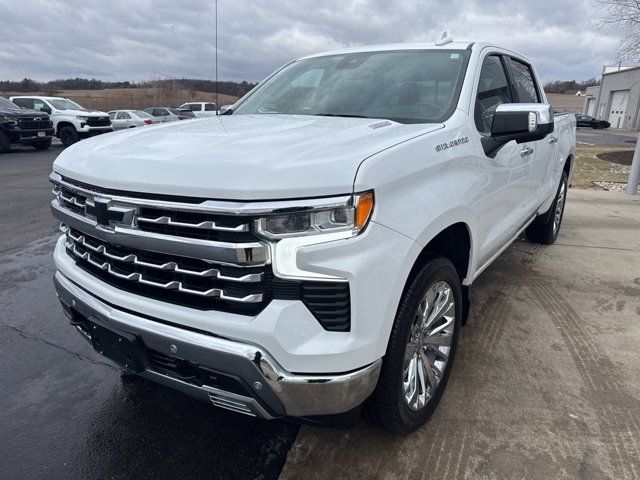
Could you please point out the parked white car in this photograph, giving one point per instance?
(71, 122)
(200, 109)
(121, 119)
(315, 246)
(166, 114)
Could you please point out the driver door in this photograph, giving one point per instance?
(503, 208)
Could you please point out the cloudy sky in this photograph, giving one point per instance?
(146, 39)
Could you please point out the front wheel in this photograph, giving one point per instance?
(421, 350)
(68, 135)
(547, 231)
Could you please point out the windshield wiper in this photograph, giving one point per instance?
(339, 115)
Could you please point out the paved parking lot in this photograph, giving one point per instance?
(545, 385)
(607, 137)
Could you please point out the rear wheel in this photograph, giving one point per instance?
(546, 232)
(421, 350)
(5, 144)
(68, 135)
(43, 144)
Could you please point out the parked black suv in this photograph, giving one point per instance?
(588, 121)
(20, 125)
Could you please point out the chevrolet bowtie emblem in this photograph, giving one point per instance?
(107, 214)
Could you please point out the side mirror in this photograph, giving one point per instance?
(522, 122)
(45, 110)
(223, 109)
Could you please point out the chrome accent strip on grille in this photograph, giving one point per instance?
(207, 225)
(169, 266)
(172, 285)
(237, 254)
(215, 206)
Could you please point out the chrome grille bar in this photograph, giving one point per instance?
(225, 253)
(168, 266)
(206, 225)
(172, 285)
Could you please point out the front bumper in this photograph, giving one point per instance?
(89, 131)
(269, 390)
(29, 137)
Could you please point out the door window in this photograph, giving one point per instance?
(24, 102)
(123, 116)
(493, 90)
(209, 107)
(523, 82)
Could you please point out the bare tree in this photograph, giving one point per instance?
(622, 16)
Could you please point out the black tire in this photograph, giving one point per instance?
(68, 135)
(5, 144)
(545, 231)
(387, 407)
(42, 145)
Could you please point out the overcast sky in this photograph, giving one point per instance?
(146, 39)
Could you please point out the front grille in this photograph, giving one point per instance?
(184, 255)
(32, 124)
(180, 280)
(99, 122)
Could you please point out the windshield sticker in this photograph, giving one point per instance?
(451, 143)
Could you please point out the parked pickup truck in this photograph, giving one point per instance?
(71, 121)
(25, 127)
(311, 251)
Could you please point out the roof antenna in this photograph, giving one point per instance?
(444, 39)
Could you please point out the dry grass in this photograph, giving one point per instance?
(561, 102)
(589, 168)
(136, 98)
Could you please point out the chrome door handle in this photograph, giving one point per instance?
(526, 151)
(553, 140)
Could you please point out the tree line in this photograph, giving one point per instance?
(236, 89)
(563, 86)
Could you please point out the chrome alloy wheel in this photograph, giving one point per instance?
(557, 216)
(427, 352)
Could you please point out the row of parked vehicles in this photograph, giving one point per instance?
(35, 120)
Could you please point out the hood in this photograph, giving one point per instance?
(236, 157)
(20, 112)
(83, 111)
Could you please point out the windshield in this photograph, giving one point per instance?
(4, 103)
(410, 86)
(64, 104)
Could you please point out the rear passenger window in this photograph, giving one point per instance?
(493, 90)
(24, 102)
(208, 107)
(523, 81)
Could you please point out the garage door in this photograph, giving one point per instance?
(618, 108)
(591, 107)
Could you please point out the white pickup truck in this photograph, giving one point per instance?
(71, 122)
(310, 252)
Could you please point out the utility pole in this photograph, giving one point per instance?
(216, 53)
(634, 174)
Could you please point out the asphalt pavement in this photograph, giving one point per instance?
(65, 412)
(606, 137)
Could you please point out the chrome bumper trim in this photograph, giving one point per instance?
(280, 393)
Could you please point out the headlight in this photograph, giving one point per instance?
(8, 122)
(349, 216)
(82, 118)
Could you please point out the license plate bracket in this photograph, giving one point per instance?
(123, 348)
(42, 134)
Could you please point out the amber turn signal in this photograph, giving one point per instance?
(364, 207)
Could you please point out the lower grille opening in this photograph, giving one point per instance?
(193, 373)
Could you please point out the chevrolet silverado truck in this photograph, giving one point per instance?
(23, 127)
(71, 122)
(309, 253)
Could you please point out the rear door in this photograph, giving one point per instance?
(527, 90)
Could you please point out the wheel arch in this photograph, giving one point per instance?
(63, 124)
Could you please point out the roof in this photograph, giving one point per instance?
(462, 45)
